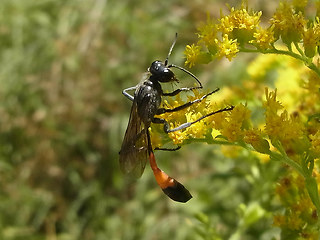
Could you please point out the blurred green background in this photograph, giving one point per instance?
(63, 64)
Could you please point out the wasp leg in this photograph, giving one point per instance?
(175, 92)
(166, 126)
(124, 92)
(188, 104)
(167, 149)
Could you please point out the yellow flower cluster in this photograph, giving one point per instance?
(239, 24)
(223, 39)
(193, 52)
(255, 139)
(233, 128)
(227, 47)
(208, 35)
(300, 216)
(263, 38)
(241, 31)
(288, 24)
(289, 130)
(315, 141)
(189, 114)
(229, 123)
(311, 39)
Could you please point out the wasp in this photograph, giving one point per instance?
(136, 147)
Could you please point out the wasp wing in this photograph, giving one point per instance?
(134, 149)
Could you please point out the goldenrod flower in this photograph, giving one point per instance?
(279, 220)
(178, 116)
(288, 24)
(311, 38)
(192, 54)
(310, 42)
(228, 48)
(178, 136)
(283, 186)
(254, 137)
(299, 5)
(276, 124)
(263, 38)
(289, 130)
(238, 118)
(195, 55)
(218, 120)
(317, 6)
(271, 104)
(197, 130)
(208, 35)
(239, 24)
(315, 141)
(316, 31)
(312, 83)
(174, 119)
(294, 221)
(299, 215)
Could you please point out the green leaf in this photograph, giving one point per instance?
(312, 187)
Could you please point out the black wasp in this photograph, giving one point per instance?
(136, 148)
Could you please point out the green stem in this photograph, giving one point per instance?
(302, 58)
(281, 156)
(299, 49)
(209, 141)
(288, 161)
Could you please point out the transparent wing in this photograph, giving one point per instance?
(134, 149)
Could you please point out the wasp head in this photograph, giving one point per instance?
(161, 72)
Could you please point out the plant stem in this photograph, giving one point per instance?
(302, 58)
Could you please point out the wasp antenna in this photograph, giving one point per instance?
(174, 43)
(186, 71)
